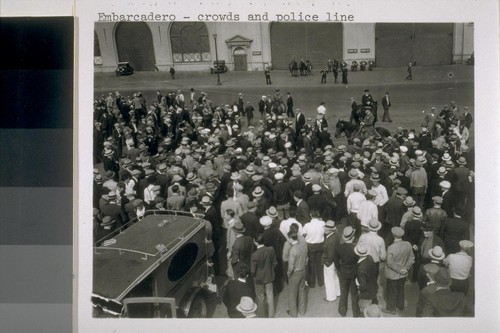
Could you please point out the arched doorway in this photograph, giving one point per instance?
(318, 41)
(240, 59)
(134, 44)
(396, 44)
(190, 42)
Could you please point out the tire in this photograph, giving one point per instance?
(117, 73)
(198, 308)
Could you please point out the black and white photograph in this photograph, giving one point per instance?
(288, 163)
(278, 169)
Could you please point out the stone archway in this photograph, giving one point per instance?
(134, 44)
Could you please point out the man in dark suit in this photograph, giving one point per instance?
(444, 302)
(243, 247)
(212, 216)
(300, 121)
(251, 221)
(263, 263)
(367, 99)
(332, 287)
(289, 105)
(345, 261)
(453, 230)
(394, 210)
(354, 112)
(386, 104)
(303, 212)
(366, 274)
(235, 290)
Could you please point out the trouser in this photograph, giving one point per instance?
(460, 285)
(314, 265)
(268, 80)
(332, 285)
(265, 297)
(297, 297)
(419, 196)
(348, 285)
(283, 211)
(395, 294)
(386, 116)
(223, 251)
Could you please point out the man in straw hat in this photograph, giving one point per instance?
(400, 258)
(346, 260)
(332, 239)
(373, 243)
(243, 247)
(247, 307)
(366, 277)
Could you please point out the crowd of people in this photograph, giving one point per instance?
(288, 210)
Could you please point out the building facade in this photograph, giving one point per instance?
(191, 46)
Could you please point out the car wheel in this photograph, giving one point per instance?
(198, 308)
(117, 73)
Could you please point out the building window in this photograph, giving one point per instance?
(97, 51)
(190, 42)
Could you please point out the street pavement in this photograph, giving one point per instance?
(431, 86)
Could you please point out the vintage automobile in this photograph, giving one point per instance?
(124, 68)
(219, 67)
(157, 267)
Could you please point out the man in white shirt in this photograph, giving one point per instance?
(354, 201)
(367, 209)
(382, 197)
(314, 233)
(349, 187)
(374, 243)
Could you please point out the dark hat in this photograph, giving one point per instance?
(159, 199)
(442, 277)
(427, 227)
(137, 202)
(107, 220)
(461, 160)
(431, 269)
(348, 233)
(238, 227)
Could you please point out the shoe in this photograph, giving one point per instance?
(324, 299)
(393, 312)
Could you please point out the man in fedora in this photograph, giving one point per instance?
(303, 211)
(243, 247)
(251, 221)
(400, 259)
(282, 196)
(462, 182)
(274, 238)
(345, 260)
(331, 279)
(107, 227)
(394, 210)
(354, 201)
(435, 256)
(444, 302)
(213, 217)
(366, 277)
(367, 210)
(448, 198)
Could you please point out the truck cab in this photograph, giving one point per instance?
(157, 267)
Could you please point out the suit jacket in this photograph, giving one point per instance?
(263, 262)
(346, 260)
(303, 213)
(445, 303)
(329, 247)
(252, 224)
(423, 298)
(235, 290)
(366, 274)
(384, 102)
(394, 210)
(452, 231)
(242, 250)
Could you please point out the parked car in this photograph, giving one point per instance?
(124, 68)
(157, 267)
(219, 67)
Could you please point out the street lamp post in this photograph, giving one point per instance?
(217, 60)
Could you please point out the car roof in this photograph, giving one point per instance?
(134, 253)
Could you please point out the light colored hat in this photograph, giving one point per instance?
(279, 176)
(466, 244)
(316, 188)
(374, 225)
(445, 184)
(372, 311)
(348, 233)
(397, 232)
(361, 250)
(272, 212)
(266, 221)
(257, 192)
(436, 253)
(330, 225)
(247, 305)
